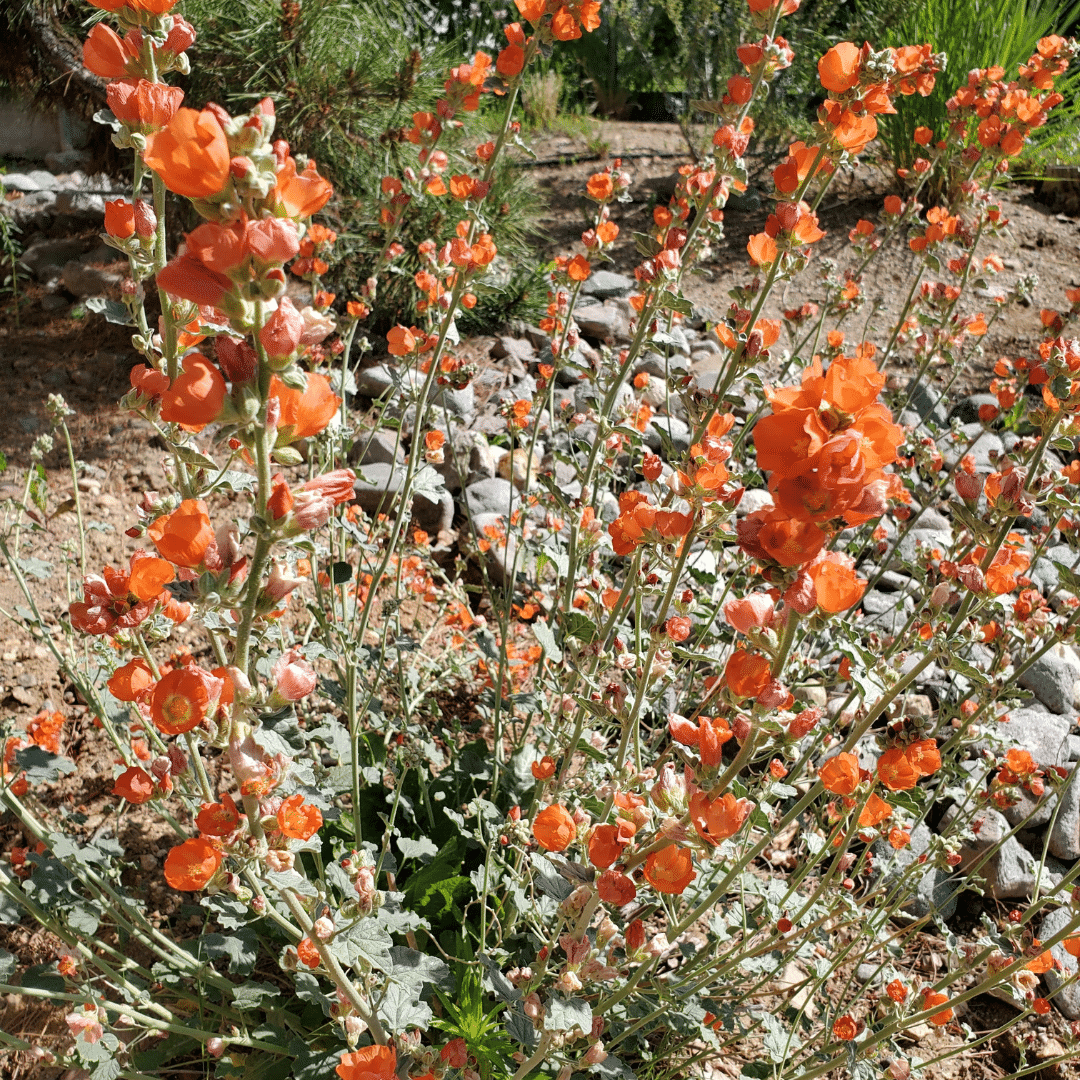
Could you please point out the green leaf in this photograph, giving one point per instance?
(235, 480)
(254, 995)
(401, 1008)
(8, 964)
(115, 313)
(43, 977)
(648, 246)
(580, 626)
(547, 640)
(41, 766)
(240, 947)
(36, 568)
(565, 1014)
(423, 848)
(341, 572)
(551, 882)
(366, 943)
(412, 968)
(196, 458)
(106, 1070)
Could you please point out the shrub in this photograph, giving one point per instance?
(522, 810)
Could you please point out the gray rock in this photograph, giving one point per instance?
(517, 348)
(986, 442)
(1055, 679)
(1065, 834)
(606, 285)
(502, 553)
(80, 204)
(373, 382)
(707, 346)
(491, 496)
(1068, 1000)
(1045, 574)
(539, 339)
(755, 499)
(33, 210)
(85, 281)
(907, 549)
(886, 611)
(600, 322)
(869, 973)
(929, 518)
(1011, 870)
(378, 489)
(678, 431)
(927, 402)
(378, 447)
(934, 893)
(967, 409)
(466, 454)
(62, 161)
(45, 258)
(679, 341)
(36, 180)
(456, 402)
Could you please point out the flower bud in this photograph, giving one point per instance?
(215, 1047)
(145, 219)
(294, 678)
(968, 487)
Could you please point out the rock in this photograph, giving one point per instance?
(373, 382)
(456, 402)
(886, 611)
(1045, 574)
(378, 447)
(540, 340)
(606, 285)
(985, 444)
(934, 894)
(467, 455)
(52, 304)
(967, 409)
(83, 281)
(493, 496)
(36, 180)
(517, 348)
(1068, 999)
(907, 550)
(705, 347)
(517, 467)
(33, 210)
(62, 161)
(1065, 833)
(677, 431)
(869, 973)
(1011, 870)
(927, 402)
(600, 322)
(678, 340)
(80, 204)
(755, 499)
(1055, 679)
(45, 258)
(377, 490)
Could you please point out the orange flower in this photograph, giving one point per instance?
(717, 819)
(299, 195)
(930, 1001)
(838, 69)
(600, 186)
(604, 846)
(190, 154)
(148, 576)
(616, 888)
(1042, 963)
(119, 217)
(191, 865)
(853, 130)
(135, 785)
(835, 582)
(554, 828)
(840, 774)
(544, 769)
(874, 812)
(845, 1029)
(895, 770)
(568, 22)
(143, 105)
(897, 991)
(578, 269)
(746, 674)
(196, 396)
(761, 248)
(130, 682)
(307, 953)
(670, 869)
(369, 1063)
(299, 820)
(183, 536)
(218, 819)
(184, 698)
(105, 53)
(304, 412)
(924, 757)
